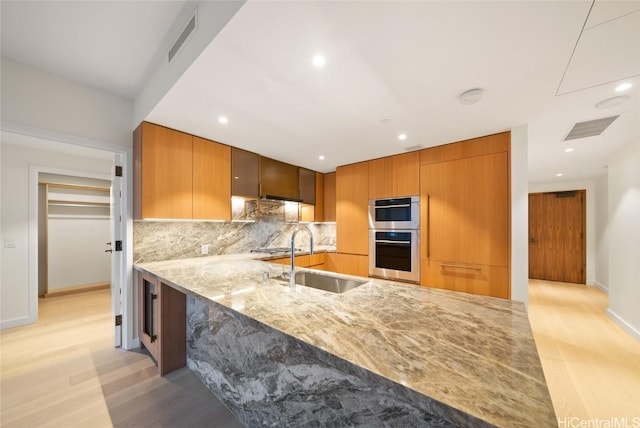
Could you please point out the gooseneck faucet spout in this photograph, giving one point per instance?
(292, 272)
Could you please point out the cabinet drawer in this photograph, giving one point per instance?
(477, 279)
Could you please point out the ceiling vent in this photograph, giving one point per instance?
(188, 29)
(590, 128)
(412, 148)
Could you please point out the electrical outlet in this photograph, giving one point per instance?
(204, 249)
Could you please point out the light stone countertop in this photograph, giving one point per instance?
(474, 353)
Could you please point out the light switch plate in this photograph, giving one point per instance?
(204, 249)
(9, 243)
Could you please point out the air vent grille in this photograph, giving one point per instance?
(191, 25)
(590, 128)
(412, 148)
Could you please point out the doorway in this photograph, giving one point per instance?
(557, 236)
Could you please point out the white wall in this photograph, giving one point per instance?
(624, 238)
(32, 99)
(592, 201)
(519, 215)
(76, 251)
(15, 193)
(602, 233)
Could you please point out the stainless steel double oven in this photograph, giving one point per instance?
(394, 238)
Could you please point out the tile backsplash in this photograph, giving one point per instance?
(166, 240)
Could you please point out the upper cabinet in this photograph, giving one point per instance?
(245, 173)
(163, 179)
(211, 180)
(278, 179)
(307, 183)
(394, 176)
(329, 197)
(178, 176)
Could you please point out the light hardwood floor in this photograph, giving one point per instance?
(591, 365)
(63, 371)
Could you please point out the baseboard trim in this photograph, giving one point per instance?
(16, 322)
(77, 289)
(600, 287)
(624, 325)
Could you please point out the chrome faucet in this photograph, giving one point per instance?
(292, 272)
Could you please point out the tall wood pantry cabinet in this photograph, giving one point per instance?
(465, 228)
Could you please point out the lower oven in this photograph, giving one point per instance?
(394, 254)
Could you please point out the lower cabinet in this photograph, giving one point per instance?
(312, 261)
(162, 315)
(476, 279)
(352, 264)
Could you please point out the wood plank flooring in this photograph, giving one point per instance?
(63, 371)
(591, 365)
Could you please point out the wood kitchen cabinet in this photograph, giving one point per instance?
(312, 261)
(307, 185)
(394, 176)
(211, 180)
(311, 209)
(179, 176)
(329, 197)
(163, 179)
(352, 217)
(278, 179)
(352, 264)
(464, 189)
(245, 173)
(162, 314)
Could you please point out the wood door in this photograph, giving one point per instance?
(557, 236)
(352, 217)
(211, 180)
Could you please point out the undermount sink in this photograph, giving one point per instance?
(326, 282)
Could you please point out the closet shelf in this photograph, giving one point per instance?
(63, 203)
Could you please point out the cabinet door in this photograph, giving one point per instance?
(211, 180)
(380, 178)
(319, 207)
(330, 197)
(166, 178)
(476, 279)
(406, 174)
(278, 179)
(148, 319)
(352, 218)
(307, 183)
(467, 210)
(353, 264)
(245, 173)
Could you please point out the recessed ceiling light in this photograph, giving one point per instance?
(568, 150)
(613, 101)
(623, 87)
(471, 96)
(223, 120)
(321, 157)
(402, 137)
(319, 61)
(559, 174)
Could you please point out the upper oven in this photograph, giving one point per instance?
(395, 213)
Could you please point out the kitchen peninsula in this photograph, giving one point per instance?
(383, 354)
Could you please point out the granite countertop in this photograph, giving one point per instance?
(473, 353)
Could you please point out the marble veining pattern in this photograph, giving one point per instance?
(168, 240)
(474, 354)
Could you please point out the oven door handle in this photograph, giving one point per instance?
(383, 241)
(392, 206)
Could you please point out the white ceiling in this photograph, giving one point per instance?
(104, 44)
(545, 64)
